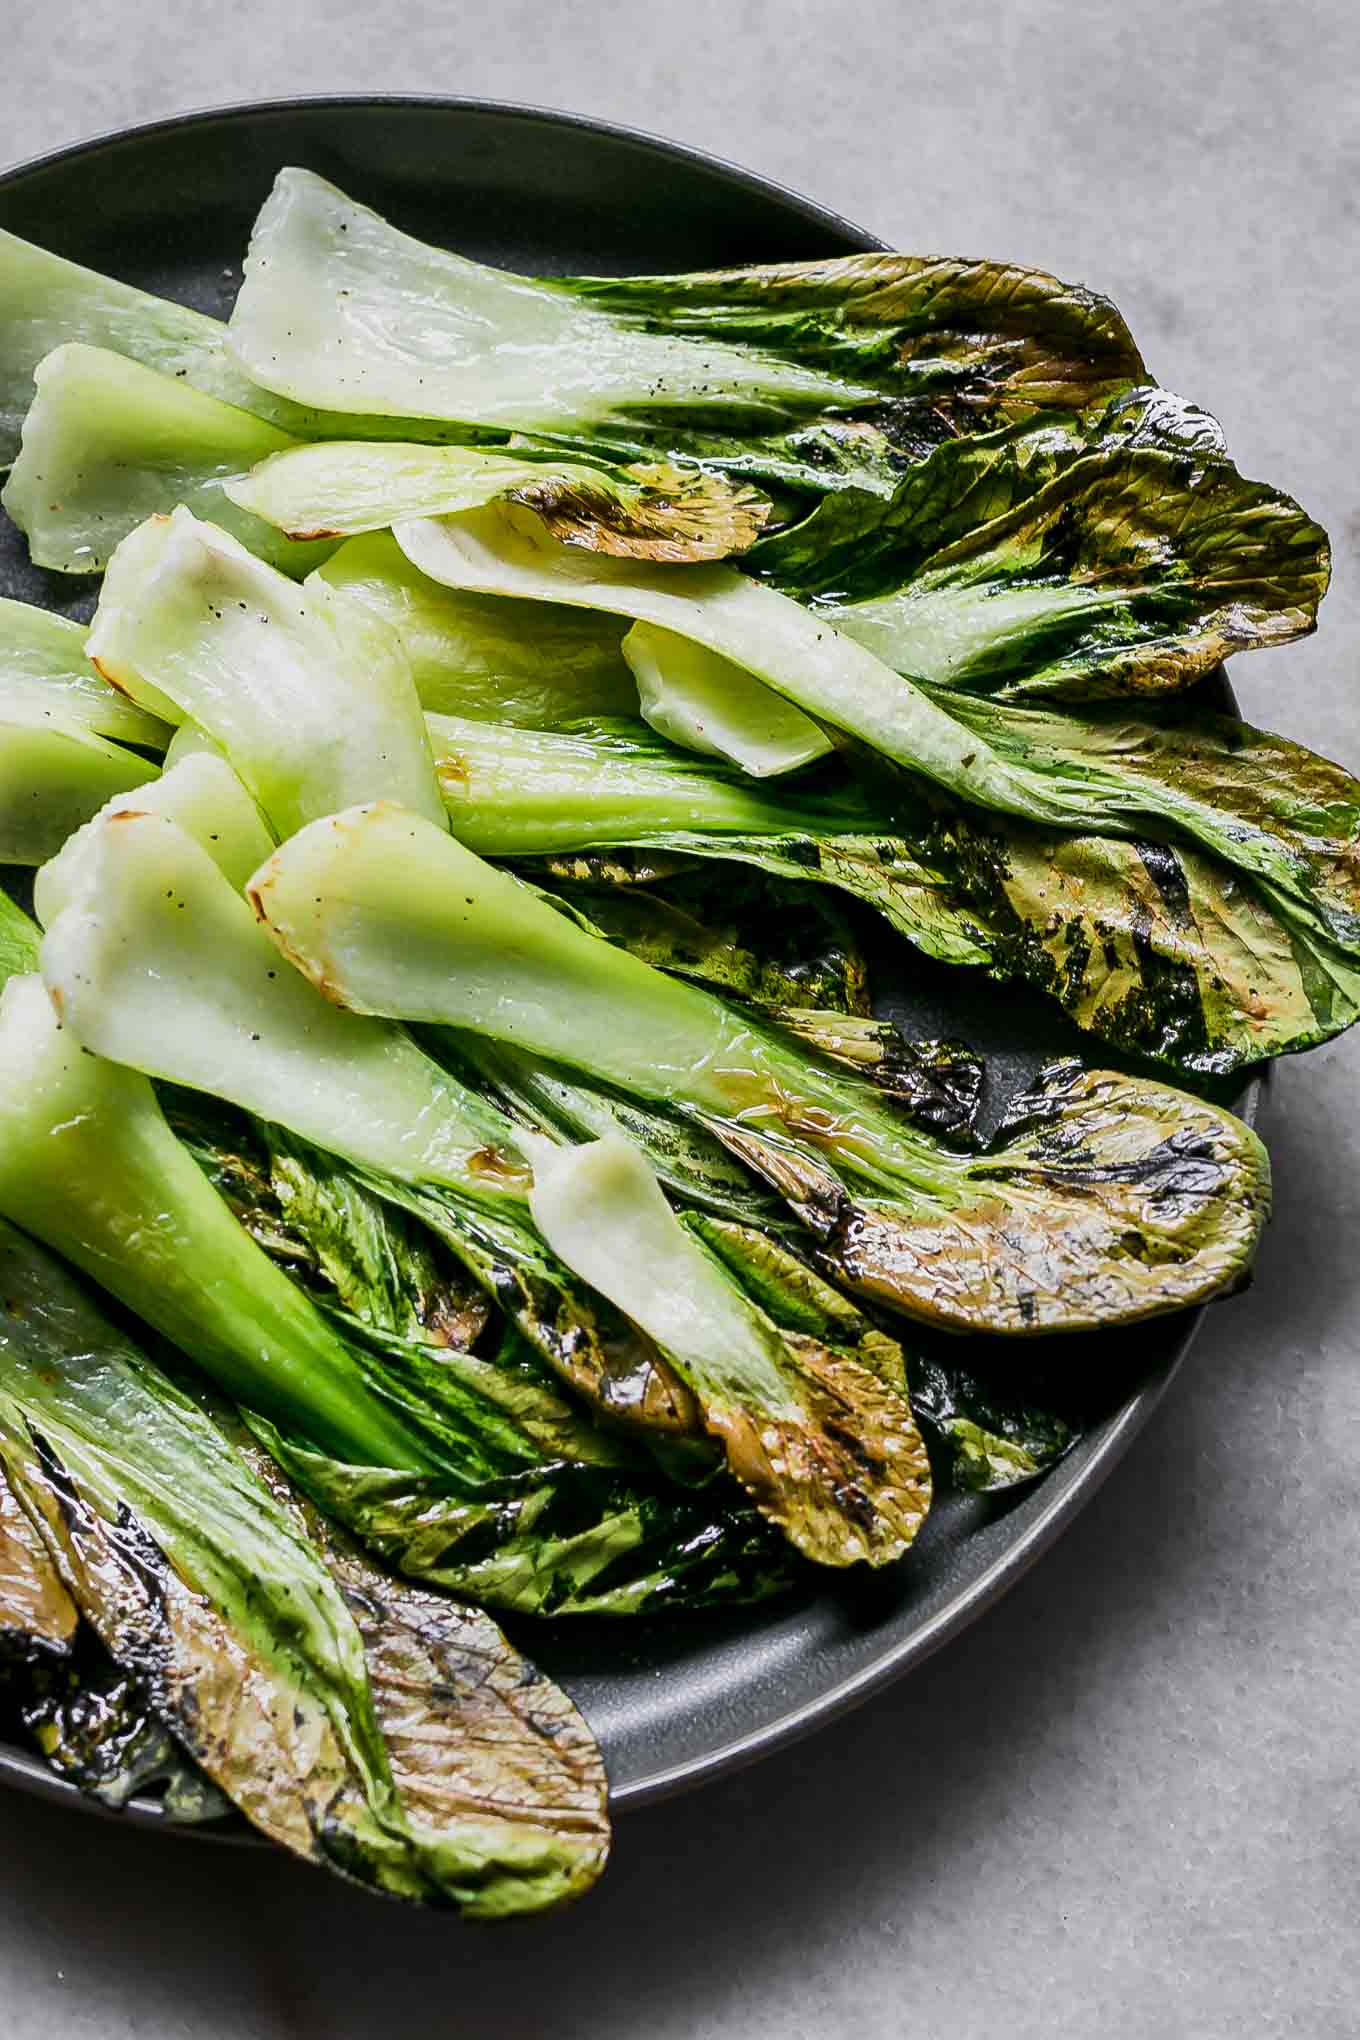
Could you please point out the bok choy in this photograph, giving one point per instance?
(391, 1736)
(158, 963)
(1104, 1198)
(47, 302)
(108, 442)
(89, 1165)
(820, 374)
(63, 733)
(1155, 948)
(45, 675)
(1035, 564)
(827, 1450)
(342, 489)
(800, 653)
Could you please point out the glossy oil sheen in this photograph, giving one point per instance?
(170, 207)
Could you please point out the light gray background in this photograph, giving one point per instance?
(1125, 1803)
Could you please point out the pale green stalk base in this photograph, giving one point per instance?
(707, 704)
(339, 309)
(44, 670)
(107, 443)
(88, 1164)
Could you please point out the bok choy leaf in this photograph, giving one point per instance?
(767, 942)
(1288, 817)
(1155, 948)
(90, 1720)
(338, 304)
(1123, 574)
(820, 375)
(1104, 1199)
(391, 1736)
(342, 489)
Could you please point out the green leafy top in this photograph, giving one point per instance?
(393, 1737)
(1127, 572)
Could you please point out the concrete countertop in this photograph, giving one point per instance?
(1126, 1802)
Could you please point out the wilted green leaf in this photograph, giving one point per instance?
(281, 1680)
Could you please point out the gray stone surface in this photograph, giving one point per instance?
(1125, 1803)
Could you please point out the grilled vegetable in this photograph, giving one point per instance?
(152, 958)
(1156, 948)
(1104, 1198)
(386, 1734)
(821, 375)
(108, 442)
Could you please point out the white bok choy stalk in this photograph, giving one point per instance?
(339, 309)
(649, 511)
(108, 442)
(309, 693)
(1016, 761)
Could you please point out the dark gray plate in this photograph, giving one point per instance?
(170, 207)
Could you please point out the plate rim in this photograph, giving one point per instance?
(968, 1602)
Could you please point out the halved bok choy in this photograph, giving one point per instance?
(108, 442)
(819, 375)
(384, 1733)
(88, 1164)
(342, 489)
(1103, 1199)
(1157, 949)
(308, 692)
